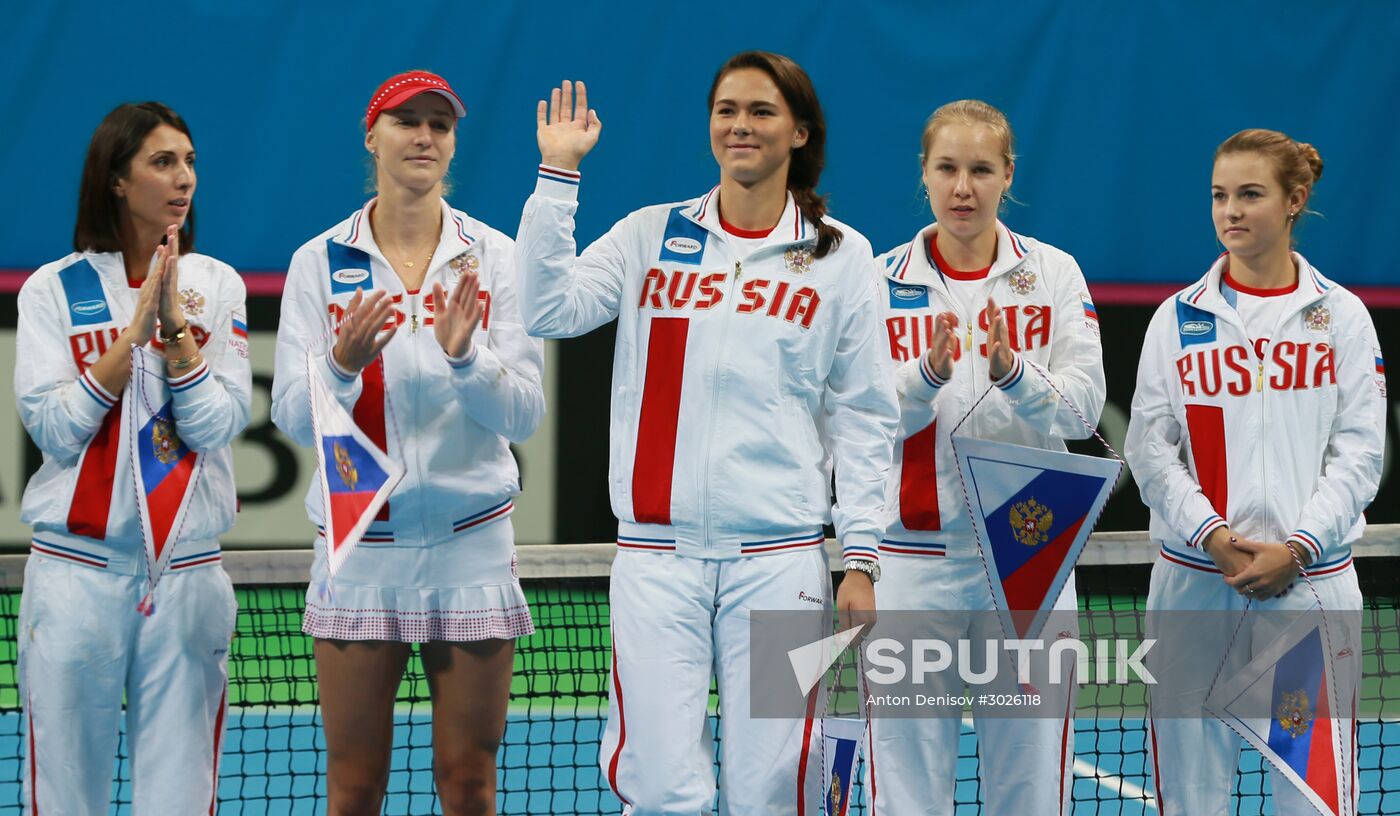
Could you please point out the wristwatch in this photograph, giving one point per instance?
(871, 568)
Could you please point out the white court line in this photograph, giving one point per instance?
(1113, 784)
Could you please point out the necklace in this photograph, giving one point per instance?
(432, 250)
(426, 260)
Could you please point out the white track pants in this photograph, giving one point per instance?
(1025, 761)
(675, 622)
(82, 645)
(1194, 758)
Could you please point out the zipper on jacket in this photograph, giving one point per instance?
(423, 481)
(1264, 455)
(714, 406)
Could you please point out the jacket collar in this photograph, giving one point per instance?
(792, 227)
(110, 266)
(913, 264)
(1205, 294)
(459, 233)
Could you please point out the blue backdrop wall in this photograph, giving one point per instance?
(1117, 107)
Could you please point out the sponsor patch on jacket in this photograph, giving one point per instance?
(1194, 325)
(907, 296)
(1318, 318)
(87, 302)
(684, 240)
(349, 268)
(350, 277)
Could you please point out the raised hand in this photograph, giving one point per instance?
(943, 346)
(172, 317)
(565, 127)
(143, 320)
(360, 340)
(456, 318)
(999, 355)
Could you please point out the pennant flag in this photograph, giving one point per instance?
(164, 469)
(841, 738)
(1032, 511)
(356, 476)
(1285, 704)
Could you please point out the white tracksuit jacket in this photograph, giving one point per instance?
(1054, 331)
(731, 381)
(449, 422)
(1284, 448)
(82, 502)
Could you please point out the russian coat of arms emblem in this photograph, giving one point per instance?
(1030, 522)
(1295, 713)
(798, 260)
(1023, 281)
(1318, 318)
(165, 441)
(345, 466)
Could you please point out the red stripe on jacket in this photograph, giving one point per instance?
(1206, 424)
(92, 494)
(654, 466)
(918, 482)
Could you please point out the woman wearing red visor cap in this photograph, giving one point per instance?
(430, 358)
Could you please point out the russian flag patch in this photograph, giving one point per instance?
(238, 336)
(1091, 314)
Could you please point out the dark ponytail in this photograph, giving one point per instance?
(808, 160)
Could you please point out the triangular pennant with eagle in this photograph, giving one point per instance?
(1285, 703)
(164, 469)
(1032, 511)
(355, 476)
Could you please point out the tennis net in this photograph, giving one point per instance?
(274, 751)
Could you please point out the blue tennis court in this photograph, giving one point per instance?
(274, 763)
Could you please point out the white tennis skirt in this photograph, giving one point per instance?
(460, 590)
